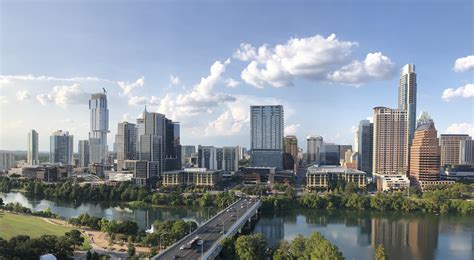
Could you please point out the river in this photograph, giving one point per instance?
(356, 234)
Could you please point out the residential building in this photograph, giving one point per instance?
(407, 98)
(7, 160)
(212, 158)
(364, 145)
(99, 127)
(326, 177)
(466, 152)
(125, 143)
(390, 148)
(450, 148)
(84, 153)
(266, 135)
(198, 177)
(425, 152)
(230, 158)
(186, 153)
(32, 154)
(61, 147)
(290, 153)
(313, 151)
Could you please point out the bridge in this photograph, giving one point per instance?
(226, 223)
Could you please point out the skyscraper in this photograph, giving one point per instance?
(125, 143)
(365, 138)
(99, 127)
(266, 135)
(83, 153)
(390, 143)
(290, 152)
(466, 152)
(230, 158)
(32, 157)
(61, 147)
(314, 147)
(425, 151)
(450, 144)
(172, 146)
(7, 160)
(186, 152)
(407, 97)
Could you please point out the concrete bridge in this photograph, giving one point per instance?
(205, 242)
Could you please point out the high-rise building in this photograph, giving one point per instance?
(407, 97)
(290, 152)
(84, 153)
(313, 151)
(7, 160)
(343, 148)
(212, 158)
(266, 135)
(230, 158)
(364, 144)
(61, 147)
(186, 152)
(207, 157)
(172, 146)
(466, 152)
(99, 127)
(425, 151)
(390, 148)
(330, 154)
(125, 143)
(32, 156)
(450, 144)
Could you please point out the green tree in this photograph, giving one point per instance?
(251, 246)
(130, 249)
(297, 247)
(380, 253)
(283, 251)
(228, 248)
(74, 236)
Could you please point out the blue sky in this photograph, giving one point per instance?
(329, 63)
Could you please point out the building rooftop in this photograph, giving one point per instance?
(331, 169)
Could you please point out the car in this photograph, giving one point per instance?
(182, 247)
(201, 242)
(222, 232)
(176, 256)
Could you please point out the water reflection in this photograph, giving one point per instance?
(404, 236)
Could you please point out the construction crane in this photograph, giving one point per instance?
(105, 91)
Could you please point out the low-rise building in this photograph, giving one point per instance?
(256, 175)
(458, 173)
(322, 177)
(198, 177)
(47, 172)
(391, 182)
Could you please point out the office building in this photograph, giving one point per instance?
(343, 148)
(212, 158)
(172, 146)
(230, 161)
(364, 145)
(466, 152)
(197, 177)
(145, 173)
(390, 148)
(7, 160)
(425, 152)
(327, 177)
(186, 152)
(290, 153)
(84, 153)
(99, 127)
(458, 173)
(266, 135)
(391, 182)
(450, 148)
(61, 147)
(330, 154)
(313, 151)
(32, 156)
(125, 143)
(407, 98)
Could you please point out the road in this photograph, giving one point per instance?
(210, 232)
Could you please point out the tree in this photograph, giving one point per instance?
(74, 236)
(251, 246)
(130, 249)
(297, 247)
(1, 202)
(228, 248)
(380, 253)
(283, 251)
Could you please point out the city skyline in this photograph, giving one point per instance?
(210, 92)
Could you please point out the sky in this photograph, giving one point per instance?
(203, 63)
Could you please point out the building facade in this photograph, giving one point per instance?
(32, 156)
(212, 158)
(364, 145)
(198, 177)
(326, 177)
(99, 127)
(407, 98)
(266, 135)
(313, 150)
(83, 153)
(7, 160)
(125, 143)
(186, 153)
(466, 152)
(61, 147)
(450, 148)
(290, 153)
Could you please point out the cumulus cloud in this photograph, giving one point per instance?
(313, 58)
(231, 83)
(128, 87)
(466, 91)
(292, 129)
(174, 80)
(461, 128)
(3, 100)
(375, 66)
(464, 64)
(64, 96)
(22, 95)
(143, 101)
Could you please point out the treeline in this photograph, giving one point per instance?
(167, 232)
(24, 247)
(125, 227)
(254, 246)
(18, 208)
(453, 198)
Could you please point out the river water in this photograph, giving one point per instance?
(356, 234)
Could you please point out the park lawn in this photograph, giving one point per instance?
(12, 225)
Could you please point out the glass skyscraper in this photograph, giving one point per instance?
(33, 148)
(61, 147)
(99, 127)
(407, 98)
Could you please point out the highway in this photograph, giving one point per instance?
(209, 233)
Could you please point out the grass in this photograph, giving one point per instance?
(12, 225)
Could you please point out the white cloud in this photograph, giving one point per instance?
(313, 58)
(64, 96)
(466, 91)
(292, 129)
(231, 83)
(3, 100)
(174, 80)
(7, 79)
(143, 101)
(375, 66)
(126, 117)
(128, 87)
(23, 95)
(461, 128)
(464, 64)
